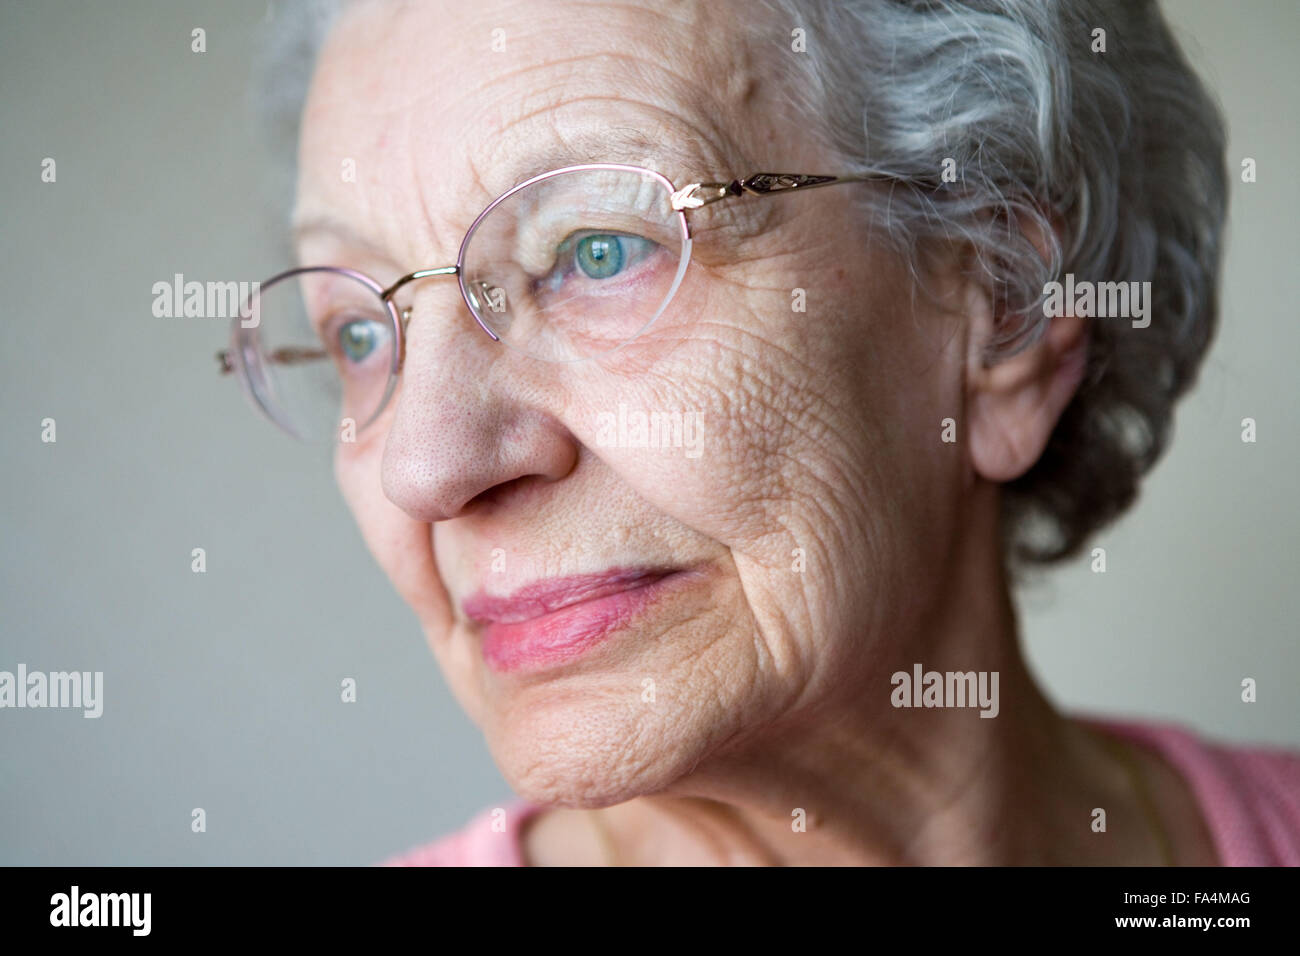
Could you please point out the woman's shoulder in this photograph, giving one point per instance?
(491, 838)
(1249, 795)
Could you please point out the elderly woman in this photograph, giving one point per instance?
(697, 375)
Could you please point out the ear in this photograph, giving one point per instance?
(1014, 403)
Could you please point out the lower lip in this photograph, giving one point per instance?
(564, 634)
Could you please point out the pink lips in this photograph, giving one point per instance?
(550, 622)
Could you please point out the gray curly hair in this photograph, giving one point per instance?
(1116, 157)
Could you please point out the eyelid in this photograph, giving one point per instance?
(536, 245)
(338, 241)
(622, 212)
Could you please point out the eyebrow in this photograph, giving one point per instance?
(623, 144)
(326, 224)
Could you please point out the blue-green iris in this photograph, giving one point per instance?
(358, 339)
(600, 255)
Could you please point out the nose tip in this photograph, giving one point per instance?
(440, 458)
(430, 487)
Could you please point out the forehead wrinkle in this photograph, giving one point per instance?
(706, 29)
(686, 141)
(584, 140)
(433, 218)
(687, 100)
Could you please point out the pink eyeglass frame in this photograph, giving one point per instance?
(689, 197)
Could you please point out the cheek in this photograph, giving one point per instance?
(685, 437)
(744, 425)
(817, 457)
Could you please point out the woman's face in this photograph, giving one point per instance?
(613, 616)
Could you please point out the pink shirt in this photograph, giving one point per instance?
(1249, 796)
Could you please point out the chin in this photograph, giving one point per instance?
(589, 752)
(633, 715)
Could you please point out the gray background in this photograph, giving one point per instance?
(222, 689)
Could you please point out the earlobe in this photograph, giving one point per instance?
(1015, 403)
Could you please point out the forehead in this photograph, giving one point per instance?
(459, 101)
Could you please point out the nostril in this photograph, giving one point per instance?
(498, 494)
(445, 456)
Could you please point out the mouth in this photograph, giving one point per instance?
(550, 622)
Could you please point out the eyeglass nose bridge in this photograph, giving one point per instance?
(453, 270)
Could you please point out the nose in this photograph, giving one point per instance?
(462, 426)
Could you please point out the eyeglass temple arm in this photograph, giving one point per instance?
(762, 184)
(288, 355)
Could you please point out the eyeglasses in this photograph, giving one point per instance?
(565, 267)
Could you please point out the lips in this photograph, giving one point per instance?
(550, 622)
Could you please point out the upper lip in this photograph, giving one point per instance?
(543, 597)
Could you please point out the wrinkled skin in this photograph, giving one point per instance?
(821, 432)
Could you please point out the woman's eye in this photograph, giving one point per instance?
(359, 338)
(601, 255)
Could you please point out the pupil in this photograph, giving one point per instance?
(600, 256)
(357, 340)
